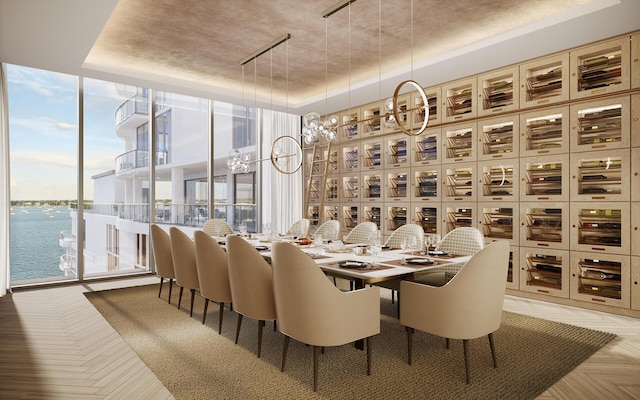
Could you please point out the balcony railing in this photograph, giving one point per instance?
(134, 105)
(193, 215)
(131, 160)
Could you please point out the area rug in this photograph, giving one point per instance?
(194, 362)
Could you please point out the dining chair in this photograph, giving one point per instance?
(251, 282)
(213, 273)
(299, 228)
(467, 307)
(362, 233)
(463, 241)
(329, 230)
(217, 227)
(317, 313)
(395, 241)
(184, 263)
(161, 247)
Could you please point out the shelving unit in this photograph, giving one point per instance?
(532, 172)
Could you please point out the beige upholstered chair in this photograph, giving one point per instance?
(161, 246)
(251, 282)
(467, 307)
(406, 231)
(213, 274)
(217, 227)
(465, 241)
(362, 233)
(299, 228)
(183, 252)
(329, 230)
(317, 313)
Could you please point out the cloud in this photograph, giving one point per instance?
(43, 158)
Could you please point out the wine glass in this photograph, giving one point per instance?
(403, 246)
(317, 241)
(376, 248)
(243, 229)
(428, 242)
(412, 243)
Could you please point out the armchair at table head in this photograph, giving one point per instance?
(316, 312)
(299, 228)
(213, 273)
(406, 231)
(467, 307)
(362, 233)
(329, 230)
(217, 227)
(251, 282)
(183, 253)
(161, 246)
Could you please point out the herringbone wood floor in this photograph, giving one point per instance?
(55, 345)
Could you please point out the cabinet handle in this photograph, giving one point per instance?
(543, 291)
(598, 300)
(598, 248)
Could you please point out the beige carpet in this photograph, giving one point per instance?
(194, 362)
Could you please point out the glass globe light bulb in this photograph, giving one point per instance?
(244, 168)
(333, 121)
(234, 153)
(277, 151)
(246, 157)
(331, 135)
(310, 117)
(308, 139)
(282, 162)
(388, 104)
(305, 130)
(390, 121)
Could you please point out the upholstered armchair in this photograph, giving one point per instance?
(467, 307)
(316, 312)
(184, 264)
(161, 247)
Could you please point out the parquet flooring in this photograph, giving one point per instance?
(55, 345)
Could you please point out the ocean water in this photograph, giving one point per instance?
(35, 236)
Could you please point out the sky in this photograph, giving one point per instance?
(43, 131)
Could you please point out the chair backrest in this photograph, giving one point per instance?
(329, 230)
(406, 231)
(251, 280)
(300, 228)
(469, 305)
(464, 241)
(362, 233)
(217, 227)
(183, 253)
(161, 246)
(311, 309)
(211, 263)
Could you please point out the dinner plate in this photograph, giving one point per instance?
(261, 248)
(352, 264)
(342, 250)
(438, 253)
(419, 260)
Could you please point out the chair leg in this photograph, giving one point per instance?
(170, 288)
(180, 297)
(285, 347)
(493, 350)
(446, 343)
(409, 343)
(220, 317)
(369, 355)
(193, 295)
(316, 355)
(204, 313)
(275, 325)
(465, 346)
(161, 282)
(393, 296)
(260, 326)
(238, 327)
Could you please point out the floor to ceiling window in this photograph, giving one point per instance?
(116, 178)
(43, 135)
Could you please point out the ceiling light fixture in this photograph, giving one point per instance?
(286, 153)
(393, 105)
(314, 127)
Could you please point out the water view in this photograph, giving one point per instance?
(35, 241)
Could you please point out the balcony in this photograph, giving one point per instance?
(131, 114)
(131, 160)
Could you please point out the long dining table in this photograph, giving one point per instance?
(366, 269)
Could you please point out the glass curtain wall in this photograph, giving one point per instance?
(43, 133)
(182, 137)
(116, 179)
